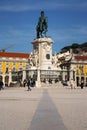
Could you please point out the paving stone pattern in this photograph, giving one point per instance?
(45, 108)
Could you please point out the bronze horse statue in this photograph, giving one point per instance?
(42, 26)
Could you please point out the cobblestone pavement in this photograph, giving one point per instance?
(46, 108)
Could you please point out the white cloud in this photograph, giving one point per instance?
(15, 8)
(48, 5)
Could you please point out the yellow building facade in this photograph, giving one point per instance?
(79, 65)
(12, 63)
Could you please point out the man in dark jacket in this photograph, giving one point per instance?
(28, 84)
(82, 84)
(1, 85)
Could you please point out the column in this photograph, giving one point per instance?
(24, 75)
(3, 80)
(38, 82)
(10, 77)
(71, 74)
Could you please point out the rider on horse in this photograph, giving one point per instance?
(42, 25)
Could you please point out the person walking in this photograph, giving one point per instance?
(72, 84)
(1, 85)
(20, 82)
(24, 82)
(28, 85)
(82, 84)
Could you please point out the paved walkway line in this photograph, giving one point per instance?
(46, 116)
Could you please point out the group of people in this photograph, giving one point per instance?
(29, 83)
(72, 84)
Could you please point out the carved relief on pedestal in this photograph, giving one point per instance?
(33, 59)
(46, 50)
(46, 46)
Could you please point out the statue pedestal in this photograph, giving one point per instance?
(43, 47)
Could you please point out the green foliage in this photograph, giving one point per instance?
(76, 47)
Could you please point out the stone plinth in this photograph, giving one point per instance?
(43, 47)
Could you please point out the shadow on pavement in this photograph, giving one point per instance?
(46, 116)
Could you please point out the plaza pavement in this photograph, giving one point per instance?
(45, 108)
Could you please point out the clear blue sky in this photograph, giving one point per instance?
(67, 23)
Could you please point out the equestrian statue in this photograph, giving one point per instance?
(42, 26)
